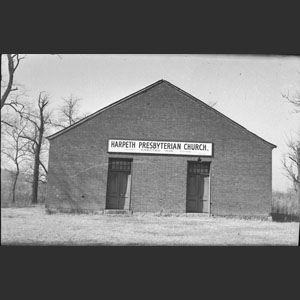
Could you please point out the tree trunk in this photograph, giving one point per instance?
(14, 186)
(10, 79)
(36, 167)
(35, 182)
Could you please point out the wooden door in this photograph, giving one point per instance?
(118, 184)
(123, 180)
(197, 187)
(113, 193)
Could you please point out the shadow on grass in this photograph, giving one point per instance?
(279, 217)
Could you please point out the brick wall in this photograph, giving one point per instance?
(241, 166)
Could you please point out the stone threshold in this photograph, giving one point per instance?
(117, 211)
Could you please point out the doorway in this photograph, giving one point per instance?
(197, 199)
(118, 183)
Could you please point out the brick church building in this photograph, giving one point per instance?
(160, 150)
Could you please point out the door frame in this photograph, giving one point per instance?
(209, 182)
(129, 178)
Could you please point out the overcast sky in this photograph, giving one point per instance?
(247, 89)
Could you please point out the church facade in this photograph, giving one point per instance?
(160, 150)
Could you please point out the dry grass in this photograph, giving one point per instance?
(32, 225)
(285, 203)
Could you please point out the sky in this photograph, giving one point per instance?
(247, 88)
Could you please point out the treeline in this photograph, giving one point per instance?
(25, 123)
(24, 128)
(285, 206)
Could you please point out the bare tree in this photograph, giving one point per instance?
(291, 162)
(13, 61)
(292, 165)
(14, 147)
(35, 135)
(8, 86)
(69, 112)
(294, 98)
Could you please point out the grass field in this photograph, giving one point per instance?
(33, 226)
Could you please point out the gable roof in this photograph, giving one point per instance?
(50, 137)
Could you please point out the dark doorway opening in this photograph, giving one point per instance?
(118, 183)
(197, 199)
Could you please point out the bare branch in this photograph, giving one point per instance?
(294, 160)
(12, 66)
(19, 58)
(291, 163)
(14, 147)
(30, 117)
(28, 138)
(212, 103)
(289, 171)
(69, 111)
(8, 154)
(6, 123)
(46, 171)
(293, 99)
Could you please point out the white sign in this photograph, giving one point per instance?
(160, 147)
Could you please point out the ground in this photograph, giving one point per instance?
(33, 226)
